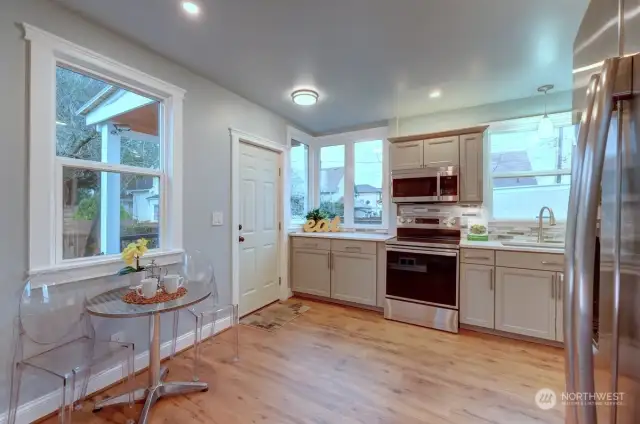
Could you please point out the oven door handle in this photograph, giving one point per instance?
(425, 251)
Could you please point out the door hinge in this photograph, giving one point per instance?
(279, 172)
(279, 226)
(279, 281)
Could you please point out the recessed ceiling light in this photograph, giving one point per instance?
(435, 94)
(305, 97)
(191, 8)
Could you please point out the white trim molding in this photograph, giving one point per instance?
(45, 193)
(302, 137)
(236, 137)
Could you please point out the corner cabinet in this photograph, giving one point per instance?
(310, 271)
(471, 167)
(406, 155)
(353, 277)
(477, 303)
(340, 269)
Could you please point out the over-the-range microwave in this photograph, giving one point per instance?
(425, 185)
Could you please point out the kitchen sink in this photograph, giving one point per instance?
(533, 244)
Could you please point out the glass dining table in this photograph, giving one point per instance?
(111, 305)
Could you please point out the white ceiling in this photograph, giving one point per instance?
(359, 53)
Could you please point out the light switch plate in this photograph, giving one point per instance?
(216, 218)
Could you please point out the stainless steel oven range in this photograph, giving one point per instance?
(422, 269)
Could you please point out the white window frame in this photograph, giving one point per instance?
(45, 193)
(349, 139)
(308, 140)
(561, 119)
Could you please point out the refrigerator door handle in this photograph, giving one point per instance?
(570, 353)
(617, 226)
(585, 236)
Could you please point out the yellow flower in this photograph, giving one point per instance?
(142, 242)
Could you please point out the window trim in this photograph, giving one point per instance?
(302, 137)
(46, 52)
(529, 123)
(349, 139)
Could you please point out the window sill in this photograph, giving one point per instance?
(82, 270)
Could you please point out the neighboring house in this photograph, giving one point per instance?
(140, 198)
(368, 201)
(332, 182)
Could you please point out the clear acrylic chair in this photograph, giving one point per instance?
(54, 335)
(196, 267)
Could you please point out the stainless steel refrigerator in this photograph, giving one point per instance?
(602, 275)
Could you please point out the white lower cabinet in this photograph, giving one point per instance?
(353, 277)
(477, 302)
(560, 307)
(310, 272)
(525, 302)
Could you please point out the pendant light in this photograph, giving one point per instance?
(546, 130)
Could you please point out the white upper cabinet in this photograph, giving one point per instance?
(441, 152)
(471, 168)
(526, 302)
(407, 155)
(477, 303)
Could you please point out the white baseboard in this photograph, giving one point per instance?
(45, 405)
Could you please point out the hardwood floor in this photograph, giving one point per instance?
(338, 365)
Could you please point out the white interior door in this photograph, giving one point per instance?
(259, 241)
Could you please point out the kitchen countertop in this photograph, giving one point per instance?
(346, 236)
(497, 245)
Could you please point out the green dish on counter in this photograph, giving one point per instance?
(478, 237)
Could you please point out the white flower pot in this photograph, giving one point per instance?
(135, 278)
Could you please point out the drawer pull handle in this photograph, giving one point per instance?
(486, 258)
(405, 145)
(353, 249)
(433, 143)
(550, 263)
(311, 245)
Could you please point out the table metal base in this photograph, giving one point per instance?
(157, 388)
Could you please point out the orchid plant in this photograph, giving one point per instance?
(131, 256)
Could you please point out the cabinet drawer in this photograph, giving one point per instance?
(311, 243)
(528, 260)
(477, 256)
(354, 246)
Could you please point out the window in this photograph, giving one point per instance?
(527, 172)
(299, 180)
(367, 204)
(332, 180)
(105, 160)
(352, 176)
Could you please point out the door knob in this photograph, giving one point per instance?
(241, 239)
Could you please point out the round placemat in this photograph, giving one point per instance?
(162, 296)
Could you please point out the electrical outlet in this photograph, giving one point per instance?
(216, 218)
(118, 337)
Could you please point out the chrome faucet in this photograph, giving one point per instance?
(552, 221)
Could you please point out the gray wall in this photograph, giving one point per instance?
(209, 110)
(476, 115)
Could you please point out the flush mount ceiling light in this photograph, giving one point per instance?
(191, 8)
(546, 129)
(305, 97)
(435, 94)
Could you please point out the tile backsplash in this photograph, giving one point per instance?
(501, 230)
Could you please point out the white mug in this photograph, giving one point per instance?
(148, 288)
(172, 283)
